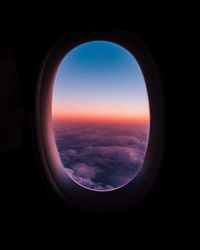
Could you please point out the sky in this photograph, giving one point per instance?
(100, 81)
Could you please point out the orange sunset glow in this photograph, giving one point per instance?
(92, 117)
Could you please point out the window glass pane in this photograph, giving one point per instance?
(100, 115)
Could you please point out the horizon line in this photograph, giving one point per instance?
(102, 120)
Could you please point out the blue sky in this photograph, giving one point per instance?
(100, 78)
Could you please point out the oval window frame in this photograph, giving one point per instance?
(50, 164)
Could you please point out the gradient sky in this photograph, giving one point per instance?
(100, 80)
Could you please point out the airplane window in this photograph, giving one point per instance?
(100, 115)
(99, 120)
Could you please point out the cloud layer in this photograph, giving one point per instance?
(101, 156)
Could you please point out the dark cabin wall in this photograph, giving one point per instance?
(24, 40)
